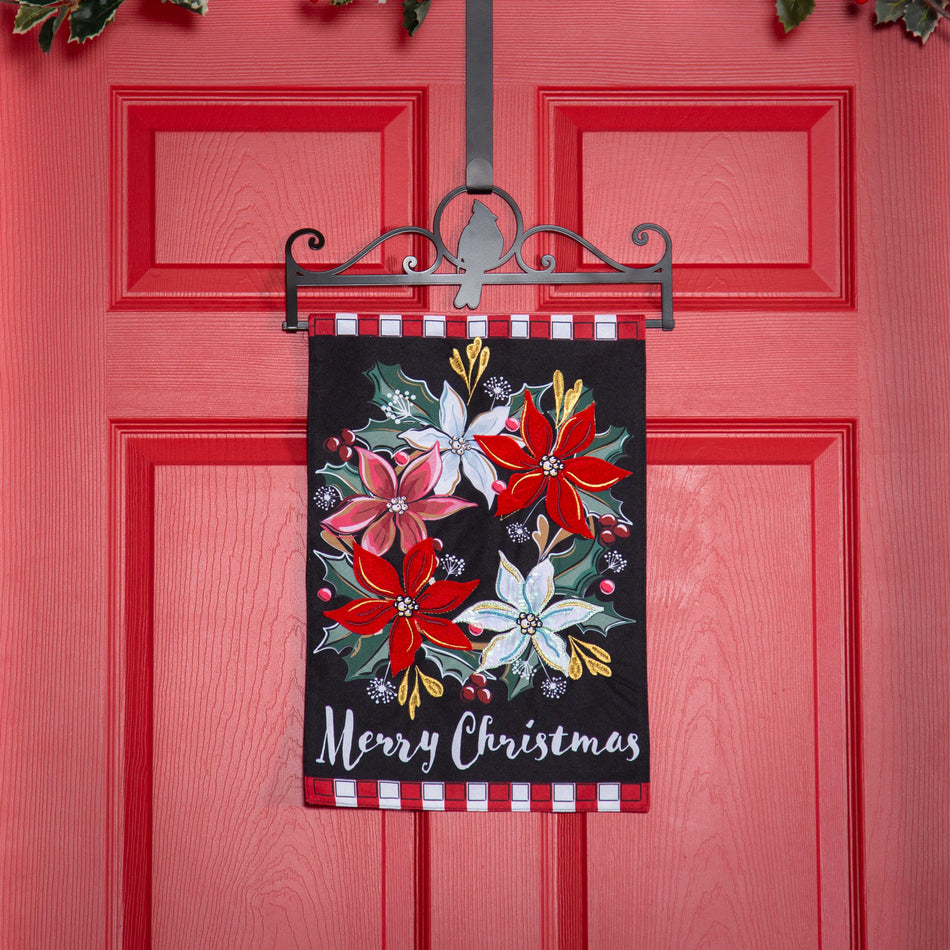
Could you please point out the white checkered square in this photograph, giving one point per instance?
(562, 796)
(433, 325)
(344, 790)
(562, 326)
(477, 795)
(390, 324)
(605, 326)
(608, 796)
(389, 796)
(520, 796)
(477, 326)
(347, 324)
(433, 796)
(520, 327)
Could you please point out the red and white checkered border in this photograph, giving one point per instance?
(524, 326)
(478, 796)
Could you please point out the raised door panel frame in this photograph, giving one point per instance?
(819, 276)
(141, 281)
(826, 447)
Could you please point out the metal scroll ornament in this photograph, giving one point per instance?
(481, 252)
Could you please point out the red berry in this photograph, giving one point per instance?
(400, 458)
(325, 594)
(468, 692)
(437, 544)
(332, 444)
(608, 521)
(607, 537)
(479, 679)
(607, 586)
(484, 695)
(346, 453)
(348, 436)
(622, 531)
(498, 485)
(475, 630)
(512, 424)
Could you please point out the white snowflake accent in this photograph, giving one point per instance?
(380, 690)
(498, 388)
(555, 687)
(518, 532)
(615, 561)
(453, 565)
(327, 497)
(522, 668)
(399, 405)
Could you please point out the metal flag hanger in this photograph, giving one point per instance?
(481, 246)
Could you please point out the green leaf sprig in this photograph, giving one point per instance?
(920, 16)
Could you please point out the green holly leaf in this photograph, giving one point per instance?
(608, 445)
(793, 12)
(363, 654)
(196, 6)
(413, 13)
(367, 656)
(384, 434)
(603, 621)
(29, 15)
(517, 400)
(338, 573)
(49, 28)
(889, 11)
(90, 18)
(921, 19)
(459, 664)
(404, 400)
(575, 568)
(521, 679)
(345, 478)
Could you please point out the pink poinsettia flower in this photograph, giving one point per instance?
(394, 505)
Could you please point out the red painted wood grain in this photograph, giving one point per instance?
(152, 470)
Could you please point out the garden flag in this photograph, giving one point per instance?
(476, 569)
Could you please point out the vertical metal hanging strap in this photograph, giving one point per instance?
(479, 95)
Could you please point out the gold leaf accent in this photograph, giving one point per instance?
(571, 397)
(558, 381)
(597, 651)
(432, 685)
(574, 668)
(472, 349)
(414, 700)
(482, 363)
(596, 667)
(540, 534)
(455, 361)
(403, 689)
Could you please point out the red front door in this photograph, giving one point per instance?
(155, 482)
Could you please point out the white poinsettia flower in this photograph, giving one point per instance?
(524, 616)
(461, 454)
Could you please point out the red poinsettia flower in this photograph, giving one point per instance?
(552, 467)
(409, 604)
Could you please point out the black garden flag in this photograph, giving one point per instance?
(476, 569)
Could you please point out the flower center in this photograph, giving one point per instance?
(529, 623)
(551, 465)
(397, 505)
(405, 606)
(457, 446)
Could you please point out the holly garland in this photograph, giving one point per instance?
(88, 18)
(404, 611)
(920, 17)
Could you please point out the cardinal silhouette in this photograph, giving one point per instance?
(480, 247)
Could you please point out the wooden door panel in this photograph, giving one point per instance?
(797, 423)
